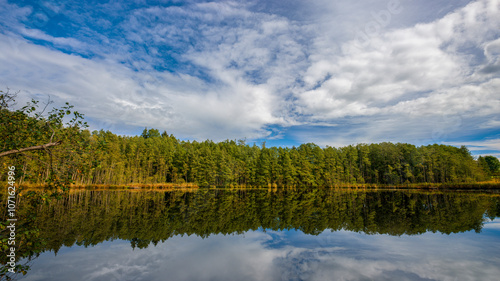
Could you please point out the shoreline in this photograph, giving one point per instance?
(489, 185)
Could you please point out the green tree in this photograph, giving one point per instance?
(32, 129)
(493, 164)
(490, 164)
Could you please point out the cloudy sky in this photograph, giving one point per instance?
(287, 72)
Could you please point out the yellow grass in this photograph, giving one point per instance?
(492, 184)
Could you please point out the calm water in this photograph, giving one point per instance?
(261, 235)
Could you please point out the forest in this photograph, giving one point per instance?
(82, 157)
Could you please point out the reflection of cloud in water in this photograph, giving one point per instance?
(288, 255)
(333, 266)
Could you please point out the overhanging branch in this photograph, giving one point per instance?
(37, 147)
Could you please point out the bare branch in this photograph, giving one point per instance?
(37, 147)
(53, 131)
(6, 98)
(45, 108)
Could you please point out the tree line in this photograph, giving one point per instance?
(102, 157)
(106, 158)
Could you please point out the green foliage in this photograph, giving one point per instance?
(113, 159)
(105, 158)
(102, 157)
(31, 126)
(493, 164)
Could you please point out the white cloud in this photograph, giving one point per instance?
(113, 94)
(241, 69)
(67, 42)
(490, 124)
(478, 146)
(400, 65)
(416, 84)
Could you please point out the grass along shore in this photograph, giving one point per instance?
(487, 185)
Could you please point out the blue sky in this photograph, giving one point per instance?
(285, 72)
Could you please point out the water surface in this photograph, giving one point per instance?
(261, 235)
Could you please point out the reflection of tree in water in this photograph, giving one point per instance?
(91, 217)
(28, 241)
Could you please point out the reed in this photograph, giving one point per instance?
(487, 185)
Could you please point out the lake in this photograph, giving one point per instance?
(256, 234)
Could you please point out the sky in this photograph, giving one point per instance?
(333, 73)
